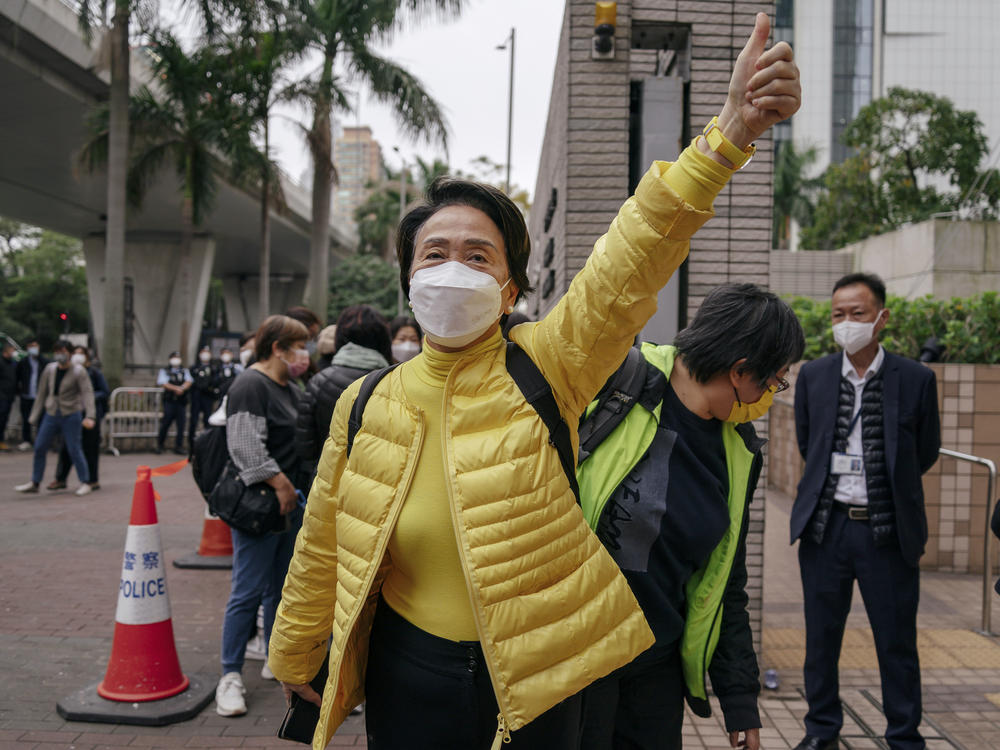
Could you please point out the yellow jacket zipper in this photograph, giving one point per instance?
(503, 733)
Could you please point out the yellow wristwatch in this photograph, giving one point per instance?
(722, 145)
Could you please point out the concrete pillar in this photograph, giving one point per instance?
(242, 295)
(152, 279)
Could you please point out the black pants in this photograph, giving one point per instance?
(891, 592)
(201, 404)
(173, 411)
(5, 404)
(637, 707)
(27, 404)
(90, 441)
(428, 693)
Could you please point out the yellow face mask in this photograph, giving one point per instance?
(748, 412)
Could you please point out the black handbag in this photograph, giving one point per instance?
(254, 510)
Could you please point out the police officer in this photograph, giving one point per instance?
(227, 371)
(204, 391)
(175, 381)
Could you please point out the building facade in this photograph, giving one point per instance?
(667, 76)
(358, 158)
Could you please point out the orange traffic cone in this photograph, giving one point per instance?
(215, 549)
(143, 683)
(143, 664)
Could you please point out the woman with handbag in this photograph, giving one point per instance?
(260, 434)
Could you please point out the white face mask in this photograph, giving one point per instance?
(853, 335)
(454, 304)
(226, 357)
(405, 350)
(175, 361)
(33, 351)
(78, 359)
(205, 357)
(245, 357)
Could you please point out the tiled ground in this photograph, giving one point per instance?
(60, 559)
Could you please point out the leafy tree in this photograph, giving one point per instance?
(345, 34)
(186, 122)
(916, 155)
(363, 279)
(793, 191)
(50, 280)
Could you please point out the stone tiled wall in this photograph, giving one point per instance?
(585, 157)
(954, 491)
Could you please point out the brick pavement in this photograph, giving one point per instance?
(61, 556)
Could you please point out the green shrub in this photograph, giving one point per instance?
(968, 328)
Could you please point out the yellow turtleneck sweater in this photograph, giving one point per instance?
(426, 585)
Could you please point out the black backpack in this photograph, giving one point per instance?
(209, 455)
(533, 386)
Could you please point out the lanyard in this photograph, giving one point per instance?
(854, 421)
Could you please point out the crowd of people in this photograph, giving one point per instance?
(495, 530)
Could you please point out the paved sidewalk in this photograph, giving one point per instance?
(61, 557)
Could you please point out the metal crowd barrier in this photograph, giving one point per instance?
(987, 533)
(133, 413)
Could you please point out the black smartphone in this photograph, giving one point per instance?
(301, 718)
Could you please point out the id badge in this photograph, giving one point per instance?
(845, 463)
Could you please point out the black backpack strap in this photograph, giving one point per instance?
(616, 399)
(371, 380)
(537, 392)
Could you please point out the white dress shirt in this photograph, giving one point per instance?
(852, 488)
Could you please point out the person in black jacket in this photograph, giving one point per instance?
(204, 391)
(683, 461)
(363, 345)
(867, 426)
(8, 390)
(29, 370)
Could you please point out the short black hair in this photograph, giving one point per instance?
(737, 321)
(502, 211)
(870, 280)
(62, 345)
(404, 321)
(364, 325)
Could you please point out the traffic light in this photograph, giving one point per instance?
(64, 317)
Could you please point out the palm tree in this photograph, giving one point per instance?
(112, 354)
(258, 54)
(792, 191)
(344, 32)
(186, 122)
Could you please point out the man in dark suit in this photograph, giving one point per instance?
(867, 426)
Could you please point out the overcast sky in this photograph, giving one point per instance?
(458, 62)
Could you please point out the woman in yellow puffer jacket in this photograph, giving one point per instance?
(467, 599)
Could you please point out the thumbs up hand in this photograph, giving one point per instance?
(764, 88)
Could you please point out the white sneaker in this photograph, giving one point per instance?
(229, 700)
(266, 673)
(83, 489)
(25, 446)
(255, 648)
(26, 487)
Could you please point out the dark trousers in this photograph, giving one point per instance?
(637, 707)
(428, 693)
(173, 411)
(891, 592)
(201, 404)
(5, 404)
(27, 404)
(90, 441)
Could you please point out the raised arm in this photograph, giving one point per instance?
(587, 334)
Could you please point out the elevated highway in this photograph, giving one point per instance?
(51, 80)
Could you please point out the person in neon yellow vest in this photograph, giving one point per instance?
(668, 493)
